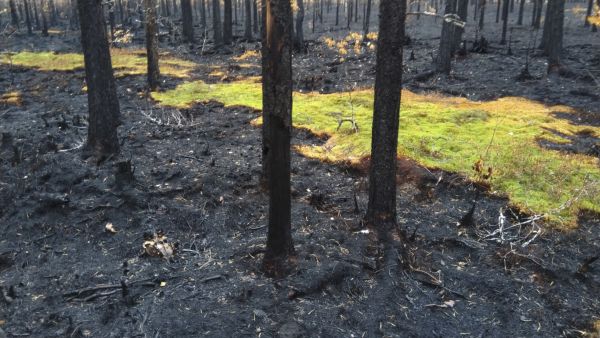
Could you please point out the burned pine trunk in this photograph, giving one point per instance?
(36, 16)
(505, 8)
(152, 44)
(381, 210)
(482, 14)
(187, 21)
(521, 10)
(248, 20)
(43, 11)
(462, 11)
(227, 23)
(444, 58)
(299, 38)
(277, 106)
(103, 104)
(368, 18)
(14, 17)
(28, 17)
(255, 14)
(217, 34)
(554, 42)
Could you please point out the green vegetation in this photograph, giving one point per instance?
(125, 62)
(472, 138)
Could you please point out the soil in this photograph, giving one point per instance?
(64, 272)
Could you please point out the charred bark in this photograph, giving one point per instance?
(227, 24)
(187, 21)
(217, 33)
(152, 44)
(299, 38)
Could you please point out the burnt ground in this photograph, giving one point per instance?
(63, 274)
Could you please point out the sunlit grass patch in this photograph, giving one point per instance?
(446, 133)
(11, 98)
(125, 62)
(249, 54)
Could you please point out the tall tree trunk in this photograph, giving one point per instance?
(277, 104)
(381, 210)
(505, 6)
(299, 40)
(538, 14)
(111, 20)
(203, 15)
(337, 12)
(13, 13)
(462, 11)
(554, 42)
(217, 34)
(152, 44)
(227, 25)
(498, 11)
(350, 9)
(103, 104)
(53, 13)
(367, 19)
(27, 18)
(444, 59)
(355, 11)
(187, 21)
(74, 19)
(521, 9)
(248, 20)
(36, 15)
(255, 14)
(44, 10)
(482, 14)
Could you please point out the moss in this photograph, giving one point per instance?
(125, 62)
(446, 133)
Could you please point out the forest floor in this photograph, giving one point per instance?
(72, 261)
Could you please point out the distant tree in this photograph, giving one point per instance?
(28, 18)
(299, 39)
(482, 14)
(499, 2)
(38, 26)
(187, 21)
(13, 13)
(462, 11)
(537, 20)
(73, 16)
(52, 13)
(553, 33)
(103, 104)
(217, 33)
(248, 20)
(277, 107)
(227, 24)
(521, 9)
(350, 13)
(368, 18)
(203, 15)
(255, 12)
(44, 10)
(381, 210)
(152, 44)
(505, 7)
(444, 58)
(337, 12)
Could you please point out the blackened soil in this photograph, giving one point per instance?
(63, 274)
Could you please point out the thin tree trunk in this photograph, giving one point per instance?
(36, 15)
(28, 18)
(482, 14)
(367, 18)
(444, 59)
(103, 104)
(187, 21)
(350, 9)
(203, 15)
(43, 9)
(337, 12)
(554, 44)
(299, 40)
(381, 210)
(255, 14)
(498, 11)
(13, 13)
(227, 25)
(521, 9)
(505, 7)
(538, 15)
(462, 11)
(152, 44)
(248, 21)
(217, 34)
(277, 105)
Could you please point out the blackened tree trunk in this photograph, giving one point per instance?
(74, 19)
(521, 9)
(498, 11)
(111, 21)
(299, 40)
(103, 104)
(368, 19)
(203, 15)
(554, 42)
(350, 12)
(588, 13)
(337, 12)
(381, 210)
(187, 21)
(255, 14)
(482, 14)
(538, 14)
(227, 24)
(217, 34)
(14, 16)
(36, 15)
(277, 104)
(44, 10)
(152, 44)
(52, 13)
(248, 20)
(27, 18)
(462, 11)
(355, 12)
(505, 7)
(444, 59)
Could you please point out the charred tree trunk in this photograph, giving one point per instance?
(43, 9)
(538, 14)
(505, 7)
(13, 13)
(152, 44)
(482, 14)
(554, 42)
(103, 104)
(53, 13)
(36, 15)
(350, 12)
(299, 38)
(187, 21)
(248, 20)
(444, 59)
(203, 15)
(28, 18)
(277, 104)
(217, 34)
(521, 9)
(368, 18)
(381, 210)
(337, 12)
(462, 11)
(74, 20)
(255, 14)
(227, 24)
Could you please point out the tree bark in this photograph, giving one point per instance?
(44, 10)
(38, 26)
(350, 12)
(299, 40)
(248, 20)
(498, 11)
(554, 42)
(217, 34)
(103, 104)
(277, 104)
(381, 210)
(227, 24)
(203, 15)
(28, 18)
(152, 44)
(444, 59)
(482, 14)
(505, 7)
(367, 18)
(521, 9)
(462, 11)
(255, 12)
(13, 13)
(187, 21)
(538, 14)
(337, 12)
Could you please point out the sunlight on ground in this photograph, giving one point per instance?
(11, 98)
(446, 133)
(125, 62)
